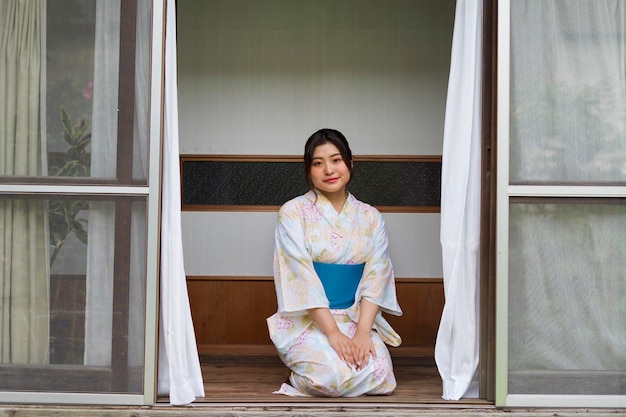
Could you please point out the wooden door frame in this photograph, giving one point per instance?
(488, 202)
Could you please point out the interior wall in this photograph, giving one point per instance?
(242, 244)
(258, 77)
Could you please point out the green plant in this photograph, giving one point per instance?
(63, 213)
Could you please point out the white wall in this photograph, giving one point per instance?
(259, 76)
(241, 244)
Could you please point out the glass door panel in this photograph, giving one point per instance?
(568, 112)
(561, 204)
(567, 297)
(83, 323)
(79, 91)
(76, 205)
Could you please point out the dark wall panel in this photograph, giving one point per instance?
(271, 183)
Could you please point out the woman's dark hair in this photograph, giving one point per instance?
(321, 137)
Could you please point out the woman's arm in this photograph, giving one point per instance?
(297, 286)
(363, 336)
(340, 342)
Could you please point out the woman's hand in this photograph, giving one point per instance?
(345, 348)
(342, 344)
(363, 346)
(363, 337)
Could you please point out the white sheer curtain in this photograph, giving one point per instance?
(136, 314)
(24, 270)
(456, 349)
(567, 268)
(100, 258)
(179, 374)
(101, 223)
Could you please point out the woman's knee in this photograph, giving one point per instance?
(325, 382)
(383, 377)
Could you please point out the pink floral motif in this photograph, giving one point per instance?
(379, 369)
(360, 206)
(283, 323)
(334, 242)
(300, 339)
(310, 212)
(352, 329)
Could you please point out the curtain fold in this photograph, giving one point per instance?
(179, 374)
(138, 272)
(457, 349)
(100, 251)
(24, 270)
(101, 223)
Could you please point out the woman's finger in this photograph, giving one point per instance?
(350, 356)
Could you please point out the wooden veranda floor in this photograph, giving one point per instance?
(252, 379)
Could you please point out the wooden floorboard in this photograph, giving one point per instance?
(254, 379)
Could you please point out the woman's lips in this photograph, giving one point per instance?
(331, 180)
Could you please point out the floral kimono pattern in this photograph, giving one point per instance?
(309, 229)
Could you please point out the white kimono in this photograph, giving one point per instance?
(310, 229)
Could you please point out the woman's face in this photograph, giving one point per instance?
(329, 172)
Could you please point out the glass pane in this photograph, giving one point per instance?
(63, 107)
(69, 70)
(73, 294)
(567, 297)
(568, 98)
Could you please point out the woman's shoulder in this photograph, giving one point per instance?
(367, 213)
(363, 207)
(297, 203)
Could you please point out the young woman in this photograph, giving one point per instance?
(333, 280)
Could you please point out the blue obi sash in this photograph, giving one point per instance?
(340, 282)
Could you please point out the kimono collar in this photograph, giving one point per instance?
(324, 204)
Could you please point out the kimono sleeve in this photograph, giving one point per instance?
(298, 287)
(378, 281)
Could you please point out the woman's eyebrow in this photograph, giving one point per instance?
(330, 156)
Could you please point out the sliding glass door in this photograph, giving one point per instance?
(78, 202)
(561, 204)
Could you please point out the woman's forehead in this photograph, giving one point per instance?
(325, 150)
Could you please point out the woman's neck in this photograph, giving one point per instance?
(337, 199)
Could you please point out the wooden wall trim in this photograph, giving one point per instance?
(274, 209)
(228, 278)
(270, 278)
(298, 158)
